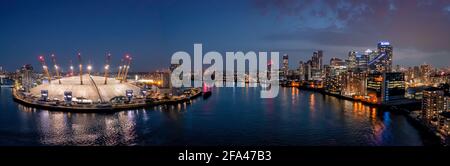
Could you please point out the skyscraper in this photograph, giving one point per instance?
(384, 58)
(433, 103)
(317, 65)
(334, 76)
(320, 59)
(425, 73)
(308, 70)
(362, 61)
(285, 68)
(26, 77)
(301, 70)
(369, 53)
(393, 86)
(351, 61)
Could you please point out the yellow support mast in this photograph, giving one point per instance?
(81, 68)
(120, 70)
(108, 58)
(126, 68)
(45, 67)
(56, 68)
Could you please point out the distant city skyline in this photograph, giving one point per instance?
(151, 31)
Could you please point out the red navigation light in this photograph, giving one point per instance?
(205, 87)
(41, 58)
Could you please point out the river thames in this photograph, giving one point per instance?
(231, 116)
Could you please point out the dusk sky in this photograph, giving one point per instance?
(151, 31)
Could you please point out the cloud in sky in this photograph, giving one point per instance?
(420, 26)
(153, 30)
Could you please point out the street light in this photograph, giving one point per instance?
(71, 70)
(89, 68)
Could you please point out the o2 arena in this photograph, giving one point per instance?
(93, 89)
(85, 92)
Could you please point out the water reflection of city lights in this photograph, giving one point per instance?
(312, 100)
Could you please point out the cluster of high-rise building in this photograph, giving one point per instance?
(313, 69)
(367, 76)
(424, 75)
(3, 77)
(436, 111)
(371, 77)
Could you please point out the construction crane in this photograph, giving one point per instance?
(108, 58)
(81, 68)
(126, 68)
(44, 66)
(56, 68)
(120, 69)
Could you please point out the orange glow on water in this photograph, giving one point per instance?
(295, 84)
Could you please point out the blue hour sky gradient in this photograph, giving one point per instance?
(151, 31)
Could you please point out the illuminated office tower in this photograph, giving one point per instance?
(334, 76)
(308, 71)
(316, 60)
(338, 66)
(354, 84)
(362, 61)
(385, 48)
(285, 68)
(320, 59)
(382, 61)
(416, 72)
(316, 66)
(374, 81)
(369, 53)
(425, 73)
(393, 86)
(301, 71)
(444, 126)
(433, 103)
(351, 61)
(26, 77)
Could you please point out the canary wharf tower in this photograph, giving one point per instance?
(383, 61)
